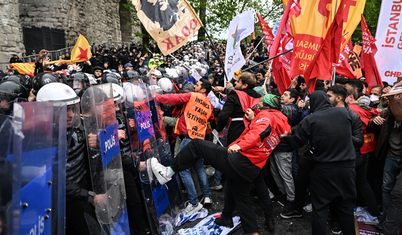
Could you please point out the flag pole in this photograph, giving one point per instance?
(270, 66)
(254, 49)
(269, 59)
(308, 86)
(216, 53)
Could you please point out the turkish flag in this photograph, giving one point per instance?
(343, 68)
(267, 32)
(329, 53)
(283, 42)
(367, 60)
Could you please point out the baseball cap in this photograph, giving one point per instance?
(128, 65)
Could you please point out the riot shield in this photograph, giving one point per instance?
(6, 177)
(161, 202)
(98, 111)
(39, 155)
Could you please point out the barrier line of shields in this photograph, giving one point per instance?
(106, 170)
(32, 168)
(148, 139)
(33, 158)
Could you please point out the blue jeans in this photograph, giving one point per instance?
(392, 168)
(188, 180)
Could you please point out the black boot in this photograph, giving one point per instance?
(270, 224)
(224, 221)
(140, 228)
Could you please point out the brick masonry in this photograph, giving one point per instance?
(98, 20)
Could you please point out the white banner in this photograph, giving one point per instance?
(389, 41)
(208, 226)
(240, 27)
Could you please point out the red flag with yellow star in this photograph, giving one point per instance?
(81, 51)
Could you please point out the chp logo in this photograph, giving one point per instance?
(162, 12)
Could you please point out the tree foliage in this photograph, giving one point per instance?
(219, 13)
(216, 15)
(371, 14)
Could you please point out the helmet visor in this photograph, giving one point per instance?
(73, 115)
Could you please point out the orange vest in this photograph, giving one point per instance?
(197, 113)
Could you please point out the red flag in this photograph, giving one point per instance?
(328, 54)
(283, 42)
(367, 57)
(267, 32)
(343, 68)
(175, 87)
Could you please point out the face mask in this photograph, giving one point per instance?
(374, 98)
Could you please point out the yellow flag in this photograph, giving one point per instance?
(24, 68)
(170, 23)
(81, 51)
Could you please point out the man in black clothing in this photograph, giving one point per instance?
(234, 107)
(329, 130)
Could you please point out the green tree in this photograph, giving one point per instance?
(219, 13)
(371, 14)
(216, 15)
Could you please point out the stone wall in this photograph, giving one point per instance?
(97, 20)
(10, 30)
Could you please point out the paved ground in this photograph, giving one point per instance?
(299, 226)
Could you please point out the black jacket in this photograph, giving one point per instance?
(233, 109)
(328, 129)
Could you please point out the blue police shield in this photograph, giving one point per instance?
(7, 223)
(98, 111)
(149, 140)
(39, 155)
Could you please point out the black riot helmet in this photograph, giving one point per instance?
(110, 78)
(130, 74)
(9, 91)
(143, 70)
(21, 79)
(42, 79)
(78, 80)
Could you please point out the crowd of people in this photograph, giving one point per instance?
(341, 144)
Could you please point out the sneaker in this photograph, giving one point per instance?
(149, 170)
(335, 229)
(190, 209)
(160, 171)
(207, 201)
(290, 212)
(308, 208)
(216, 186)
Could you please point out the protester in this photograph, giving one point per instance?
(247, 155)
(333, 174)
(197, 110)
(324, 147)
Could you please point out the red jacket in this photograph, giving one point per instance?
(176, 99)
(370, 140)
(262, 135)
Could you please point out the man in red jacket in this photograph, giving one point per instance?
(241, 162)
